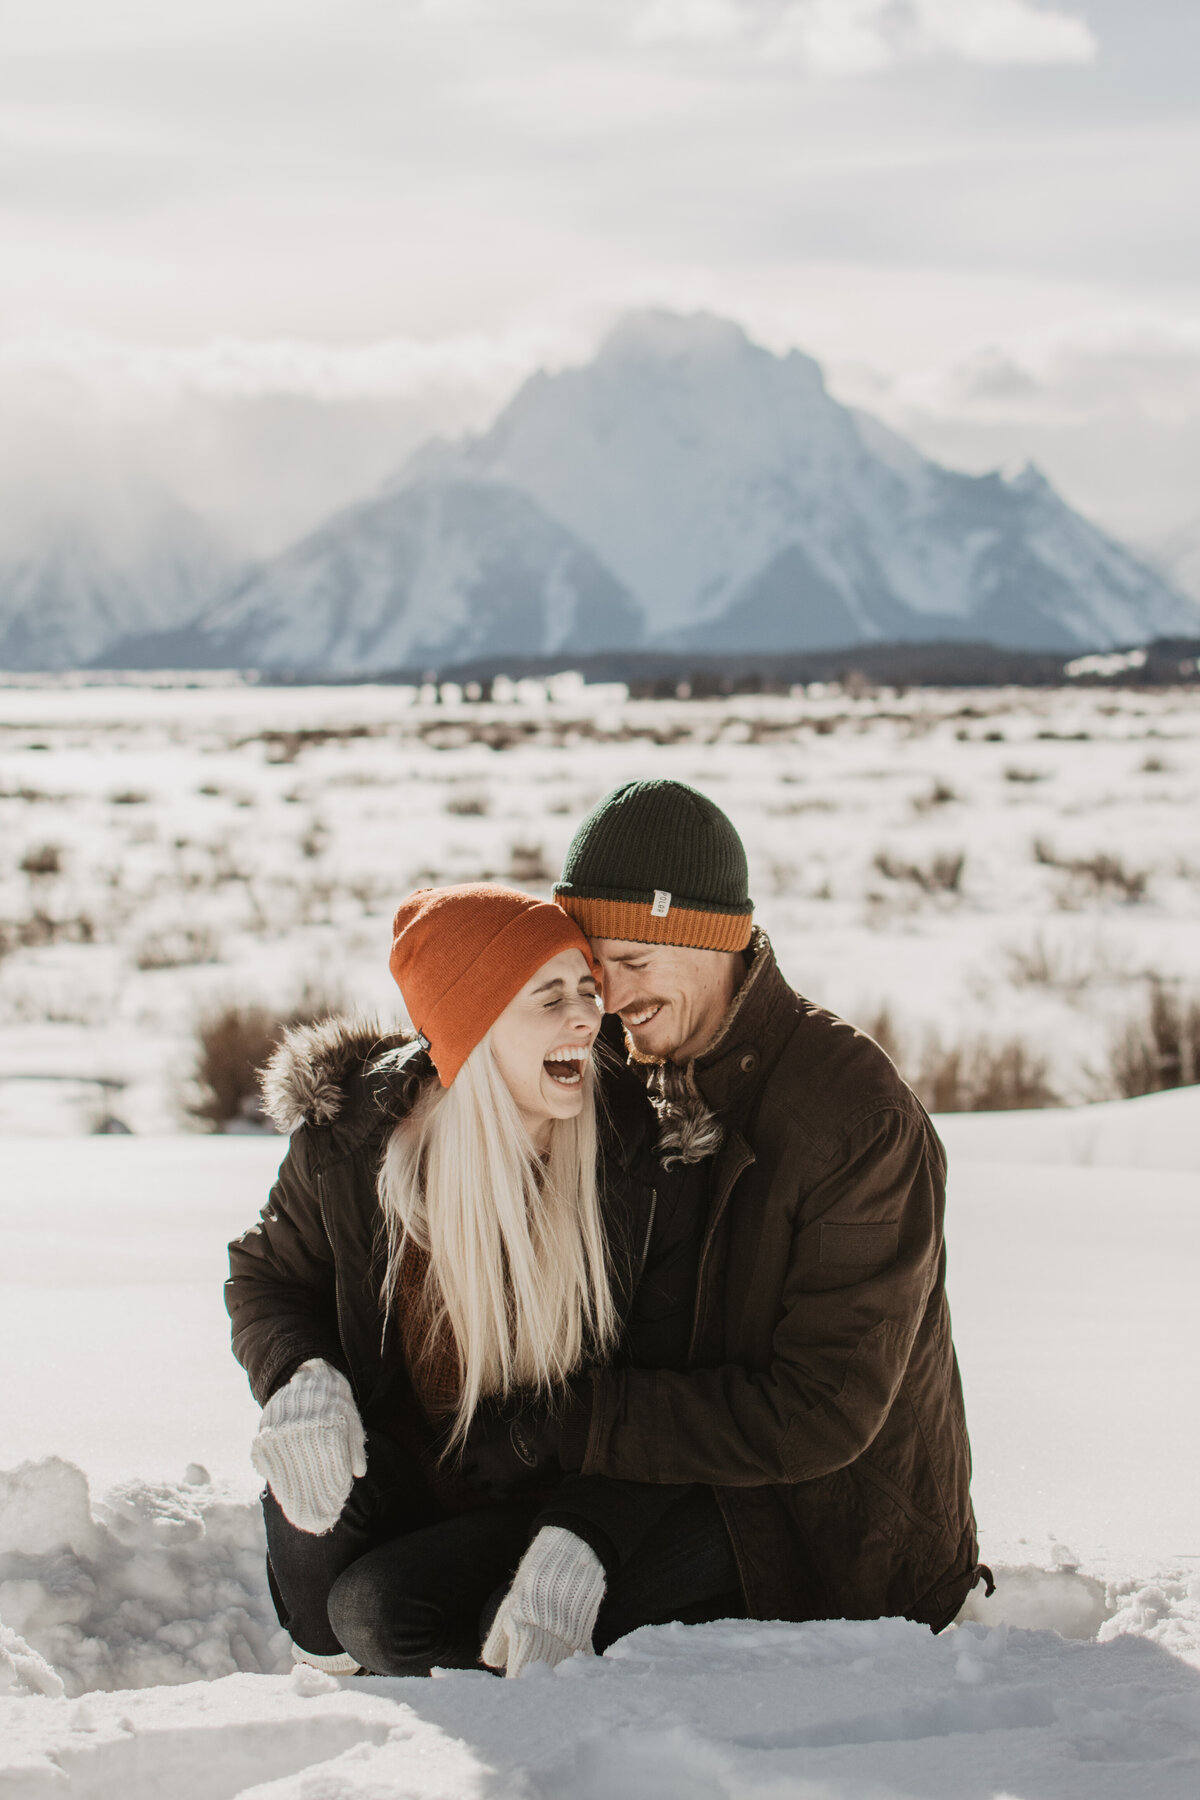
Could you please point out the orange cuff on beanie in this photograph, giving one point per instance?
(460, 954)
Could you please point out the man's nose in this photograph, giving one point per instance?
(616, 989)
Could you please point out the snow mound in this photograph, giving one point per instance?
(162, 1584)
(158, 1592)
(1157, 1131)
(22, 1670)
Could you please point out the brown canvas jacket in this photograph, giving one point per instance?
(823, 1400)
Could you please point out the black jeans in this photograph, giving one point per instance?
(404, 1588)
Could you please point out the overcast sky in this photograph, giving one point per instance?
(981, 215)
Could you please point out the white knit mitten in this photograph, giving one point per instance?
(310, 1446)
(549, 1612)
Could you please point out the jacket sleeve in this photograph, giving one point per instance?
(863, 1257)
(612, 1516)
(281, 1292)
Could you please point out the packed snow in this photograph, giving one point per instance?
(139, 1653)
(139, 1649)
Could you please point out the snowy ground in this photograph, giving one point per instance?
(164, 849)
(1073, 1274)
(181, 846)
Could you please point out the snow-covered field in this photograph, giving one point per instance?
(138, 1652)
(163, 849)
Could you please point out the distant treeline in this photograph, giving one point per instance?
(666, 675)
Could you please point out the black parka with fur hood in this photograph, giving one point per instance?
(305, 1281)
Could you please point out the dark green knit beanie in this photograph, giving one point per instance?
(658, 863)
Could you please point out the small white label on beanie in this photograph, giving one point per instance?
(662, 904)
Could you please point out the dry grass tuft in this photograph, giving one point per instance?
(941, 875)
(1102, 872)
(38, 929)
(181, 947)
(976, 1074)
(232, 1044)
(527, 862)
(940, 794)
(42, 860)
(1161, 1048)
(1065, 968)
(979, 1075)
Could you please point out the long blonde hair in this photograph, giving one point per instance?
(517, 1272)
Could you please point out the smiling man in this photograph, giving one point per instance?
(818, 1396)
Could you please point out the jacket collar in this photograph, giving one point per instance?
(750, 1037)
(698, 1101)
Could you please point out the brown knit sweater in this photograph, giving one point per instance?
(430, 1352)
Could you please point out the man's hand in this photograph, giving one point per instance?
(508, 1442)
(311, 1445)
(549, 1612)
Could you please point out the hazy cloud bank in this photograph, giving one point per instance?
(263, 439)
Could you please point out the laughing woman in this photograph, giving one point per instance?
(450, 1236)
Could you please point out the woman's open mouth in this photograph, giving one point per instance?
(565, 1067)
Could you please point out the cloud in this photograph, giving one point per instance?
(262, 438)
(852, 37)
(833, 37)
(1002, 31)
(671, 22)
(1108, 404)
(131, 376)
(1095, 368)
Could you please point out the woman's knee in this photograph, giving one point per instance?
(388, 1633)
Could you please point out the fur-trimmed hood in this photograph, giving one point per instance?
(310, 1078)
(348, 1073)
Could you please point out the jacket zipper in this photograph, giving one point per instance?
(641, 1268)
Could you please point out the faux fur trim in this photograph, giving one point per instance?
(305, 1080)
(688, 1129)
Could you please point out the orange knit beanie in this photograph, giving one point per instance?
(460, 954)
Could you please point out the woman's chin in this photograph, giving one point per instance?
(562, 1102)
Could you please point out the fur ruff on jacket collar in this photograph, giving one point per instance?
(307, 1079)
(688, 1129)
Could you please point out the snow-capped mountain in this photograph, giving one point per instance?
(1177, 557)
(687, 490)
(74, 588)
(443, 569)
(744, 507)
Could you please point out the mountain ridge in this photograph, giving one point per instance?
(687, 490)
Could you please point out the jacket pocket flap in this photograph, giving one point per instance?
(860, 1243)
